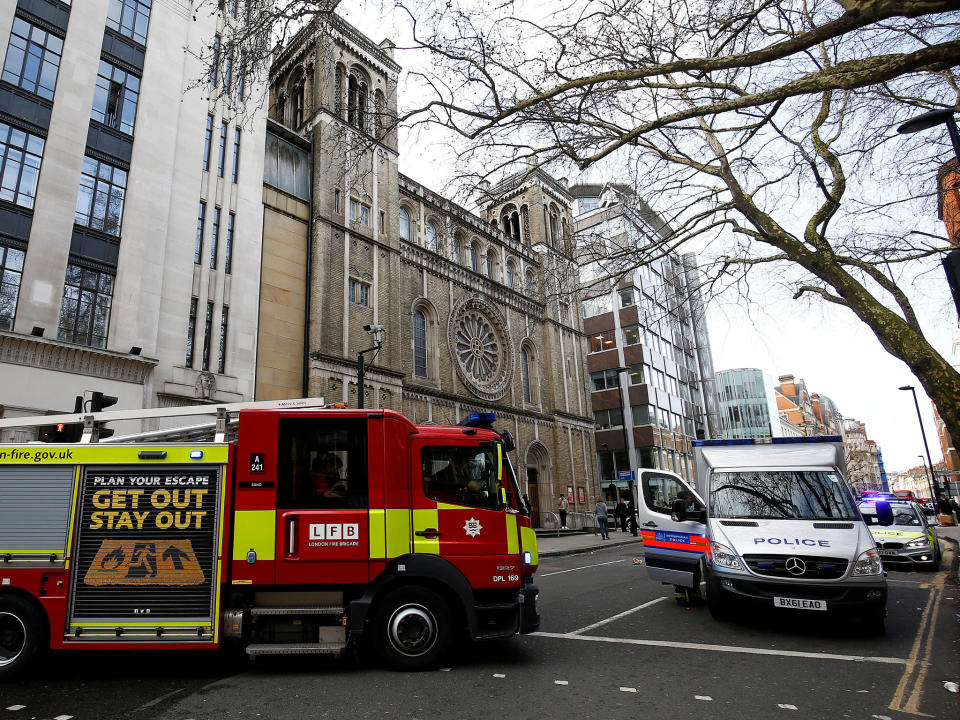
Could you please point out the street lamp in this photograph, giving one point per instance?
(932, 119)
(377, 332)
(923, 434)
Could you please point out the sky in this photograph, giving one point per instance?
(826, 346)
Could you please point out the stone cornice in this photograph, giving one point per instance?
(16, 349)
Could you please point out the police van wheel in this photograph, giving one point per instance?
(21, 631)
(413, 628)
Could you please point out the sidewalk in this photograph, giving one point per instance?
(564, 544)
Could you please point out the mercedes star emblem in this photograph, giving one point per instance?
(796, 566)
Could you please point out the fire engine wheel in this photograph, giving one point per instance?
(412, 629)
(20, 635)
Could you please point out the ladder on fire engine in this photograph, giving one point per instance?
(216, 430)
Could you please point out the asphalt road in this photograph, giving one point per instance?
(612, 645)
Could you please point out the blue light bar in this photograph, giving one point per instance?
(480, 420)
(196, 454)
(717, 443)
(810, 439)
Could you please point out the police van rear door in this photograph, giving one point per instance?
(672, 548)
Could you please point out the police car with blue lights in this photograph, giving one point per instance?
(909, 539)
(769, 523)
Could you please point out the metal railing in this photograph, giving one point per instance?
(550, 520)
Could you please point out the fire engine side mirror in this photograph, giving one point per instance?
(508, 443)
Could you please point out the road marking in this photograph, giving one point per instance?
(620, 615)
(160, 699)
(626, 689)
(786, 706)
(444, 669)
(702, 697)
(725, 648)
(560, 682)
(16, 707)
(499, 675)
(910, 702)
(561, 572)
(63, 717)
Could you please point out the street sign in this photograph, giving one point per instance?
(625, 476)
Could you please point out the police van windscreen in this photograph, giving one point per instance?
(781, 494)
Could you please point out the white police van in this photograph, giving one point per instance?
(769, 522)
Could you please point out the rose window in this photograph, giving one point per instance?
(481, 348)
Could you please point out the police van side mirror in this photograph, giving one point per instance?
(699, 516)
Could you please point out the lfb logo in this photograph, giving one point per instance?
(335, 531)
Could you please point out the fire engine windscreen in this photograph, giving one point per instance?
(462, 475)
(781, 494)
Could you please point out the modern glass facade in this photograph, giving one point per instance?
(748, 406)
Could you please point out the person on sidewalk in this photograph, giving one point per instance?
(622, 515)
(562, 509)
(602, 519)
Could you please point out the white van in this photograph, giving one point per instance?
(771, 523)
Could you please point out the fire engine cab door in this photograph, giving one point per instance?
(323, 528)
(672, 548)
(459, 510)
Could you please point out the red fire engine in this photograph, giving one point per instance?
(313, 528)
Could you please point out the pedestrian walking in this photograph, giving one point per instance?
(955, 509)
(602, 519)
(632, 517)
(562, 508)
(622, 515)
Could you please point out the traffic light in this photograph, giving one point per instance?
(99, 401)
(63, 432)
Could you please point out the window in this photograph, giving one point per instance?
(660, 492)
(525, 375)
(357, 103)
(602, 341)
(608, 419)
(359, 212)
(100, 198)
(130, 17)
(564, 311)
(201, 218)
(635, 374)
(236, 155)
(222, 354)
(33, 59)
(228, 250)
(207, 141)
(20, 156)
(457, 250)
(529, 283)
(85, 311)
(221, 156)
(632, 335)
(227, 73)
(115, 98)
(475, 257)
(432, 242)
(383, 221)
(603, 380)
(336, 201)
(359, 292)
(11, 269)
(628, 297)
(215, 61)
(419, 343)
(191, 331)
(241, 72)
(511, 275)
(644, 415)
(461, 475)
(214, 238)
(597, 306)
(321, 463)
(491, 264)
(207, 330)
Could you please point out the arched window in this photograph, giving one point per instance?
(525, 375)
(419, 344)
(456, 249)
(528, 283)
(511, 275)
(491, 263)
(432, 241)
(379, 119)
(404, 225)
(475, 257)
(357, 102)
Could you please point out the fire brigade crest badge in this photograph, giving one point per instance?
(472, 527)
